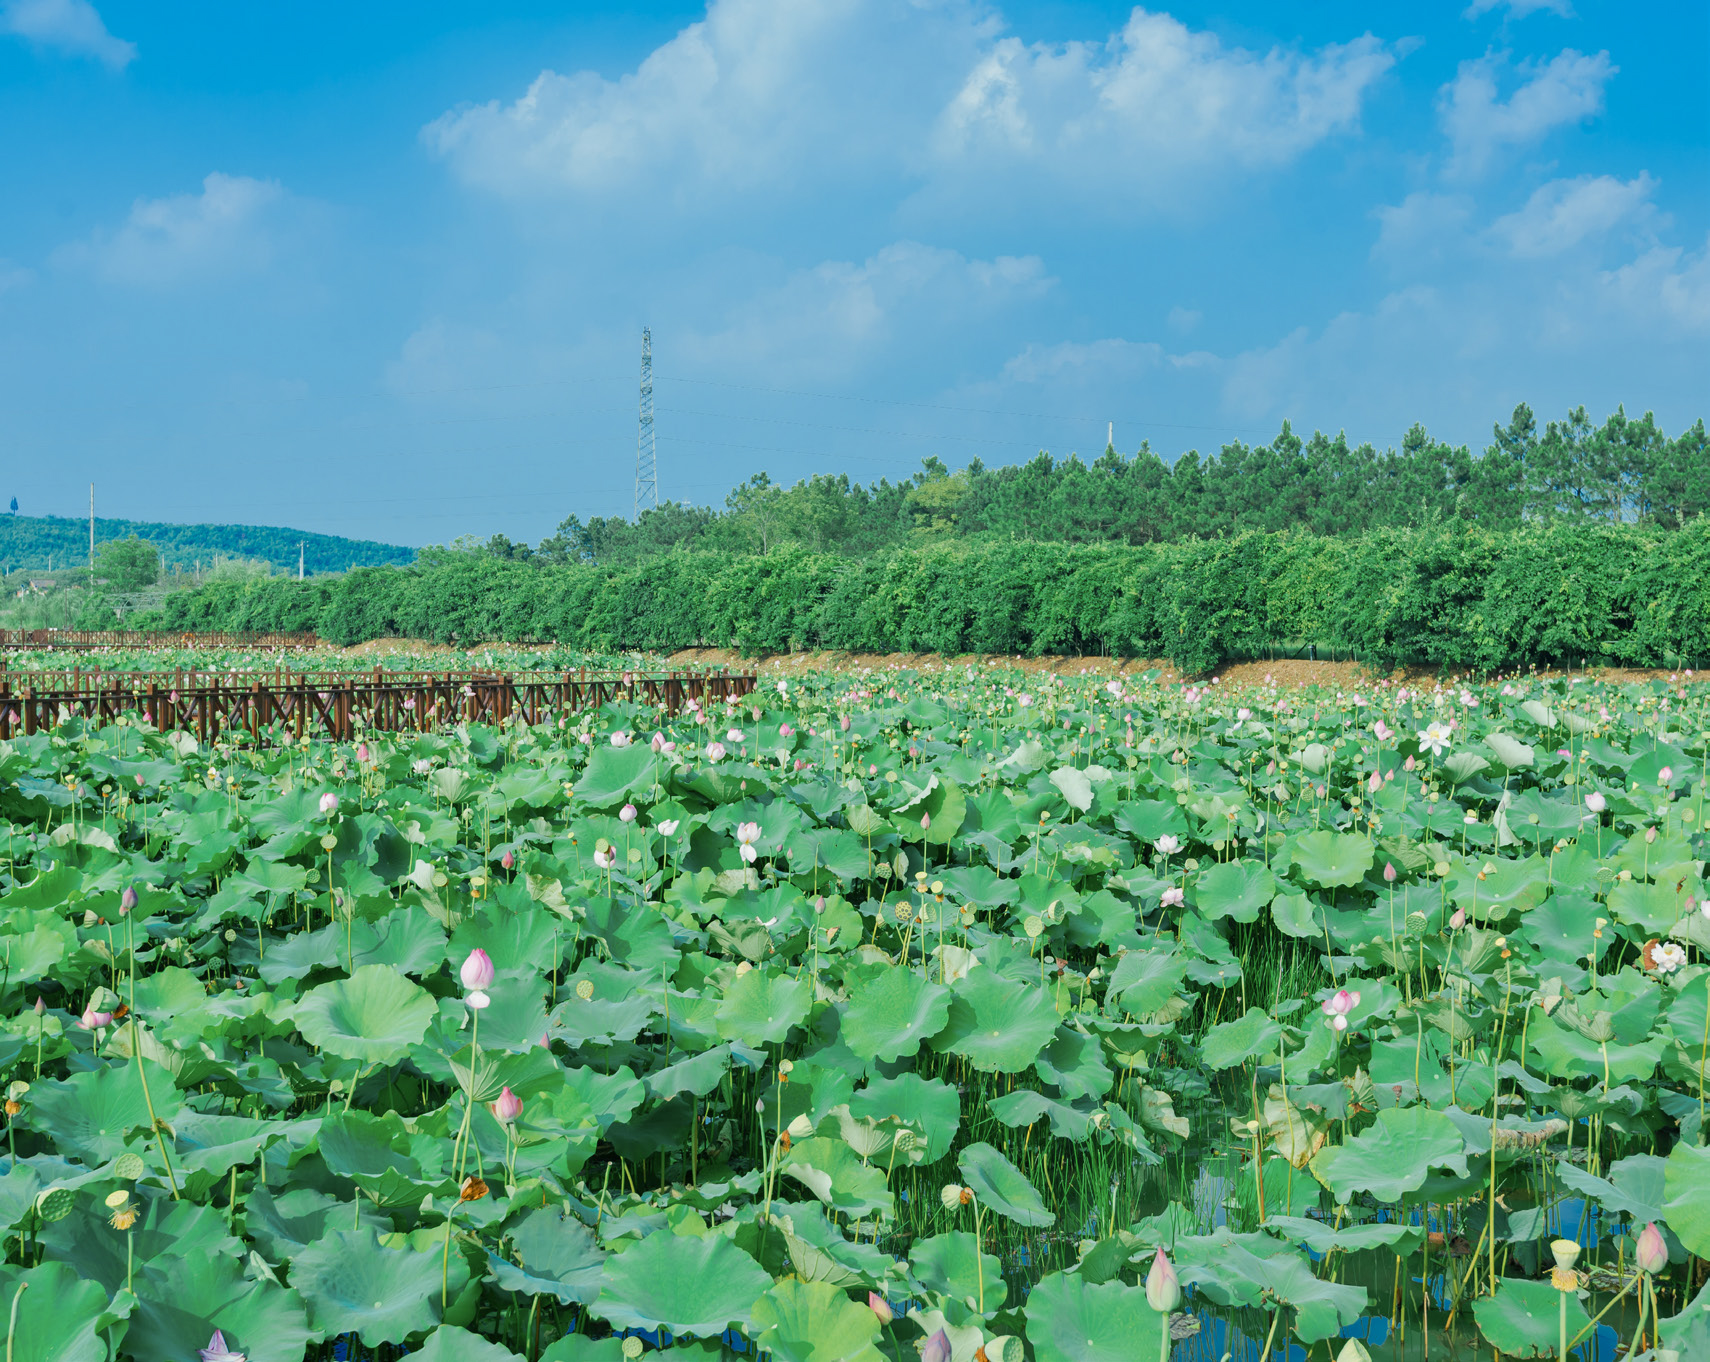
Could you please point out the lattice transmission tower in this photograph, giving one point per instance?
(646, 457)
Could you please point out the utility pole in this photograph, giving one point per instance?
(91, 536)
(646, 464)
(300, 560)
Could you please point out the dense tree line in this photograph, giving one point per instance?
(1451, 594)
(1572, 471)
(33, 542)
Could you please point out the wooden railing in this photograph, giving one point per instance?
(266, 708)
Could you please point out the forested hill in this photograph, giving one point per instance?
(1572, 471)
(28, 541)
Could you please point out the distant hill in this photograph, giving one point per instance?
(27, 542)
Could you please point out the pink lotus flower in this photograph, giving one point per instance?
(1665, 775)
(1382, 731)
(605, 860)
(937, 1348)
(507, 1106)
(1163, 1287)
(785, 731)
(362, 752)
(91, 1020)
(620, 739)
(843, 723)
(1338, 1006)
(1388, 873)
(1375, 782)
(127, 900)
(715, 751)
(1652, 1252)
(1168, 845)
(1459, 919)
(217, 1351)
(1596, 802)
(1172, 897)
(329, 804)
(658, 743)
(507, 860)
(628, 813)
(477, 972)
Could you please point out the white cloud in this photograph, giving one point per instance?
(71, 26)
(824, 322)
(223, 231)
(1155, 100)
(1563, 213)
(1519, 9)
(1422, 227)
(759, 93)
(1666, 283)
(1481, 125)
(786, 97)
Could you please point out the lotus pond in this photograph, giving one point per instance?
(881, 1016)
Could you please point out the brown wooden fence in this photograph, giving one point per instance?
(148, 638)
(265, 707)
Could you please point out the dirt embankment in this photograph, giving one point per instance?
(1284, 671)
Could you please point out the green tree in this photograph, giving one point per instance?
(129, 564)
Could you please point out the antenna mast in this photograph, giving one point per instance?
(646, 465)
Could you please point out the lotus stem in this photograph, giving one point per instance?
(12, 1323)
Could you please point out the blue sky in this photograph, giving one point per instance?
(381, 270)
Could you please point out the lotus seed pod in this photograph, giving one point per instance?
(800, 1128)
(951, 1196)
(632, 1347)
(55, 1204)
(1565, 1252)
(129, 1166)
(584, 989)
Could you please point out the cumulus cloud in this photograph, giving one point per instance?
(70, 26)
(225, 230)
(1481, 125)
(1564, 213)
(1155, 99)
(782, 96)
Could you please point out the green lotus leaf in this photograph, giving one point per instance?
(181, 1300)
(1394, 1156)
(1333, 858)
(375, 1015)
(759, 1008)
(449, 1343)
(1002, 1187)
(997, 1024)
(581, 1348)
(164, 1230)
(686, 1283)
(1144, 980)
(1686, 1185)
(1250, 1036)
(1321, 1309)
(554, 1256)
(834, 1173)
(283, 1225)
(1024, 1106)
(615, 773)
(1523, 1319)
(815, 1322)
(891, 1013)
(90, 1114)
(929, 1104)
(1070, 1320)
(1075, 787)
(354, 1284)
(953, 1265)
(56, 1316)
(1234, 889)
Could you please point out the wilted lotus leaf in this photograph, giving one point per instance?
(834, 1173)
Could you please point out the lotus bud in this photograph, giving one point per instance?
(1459, 919)
(1163, 1287)
(41, 1005)
(1665, 776)
(925, 821)
(127, 900)
(1353, 1351)
(880, 1307)
(217, 1351)
(507, 860)
(1652, 1253)
(628, 813)
(477, 971)
(507, 1106)
(91, 1020)
(936, 1348)
(1388, 873)
(362, 752)
(843, 723)
(329, 804)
